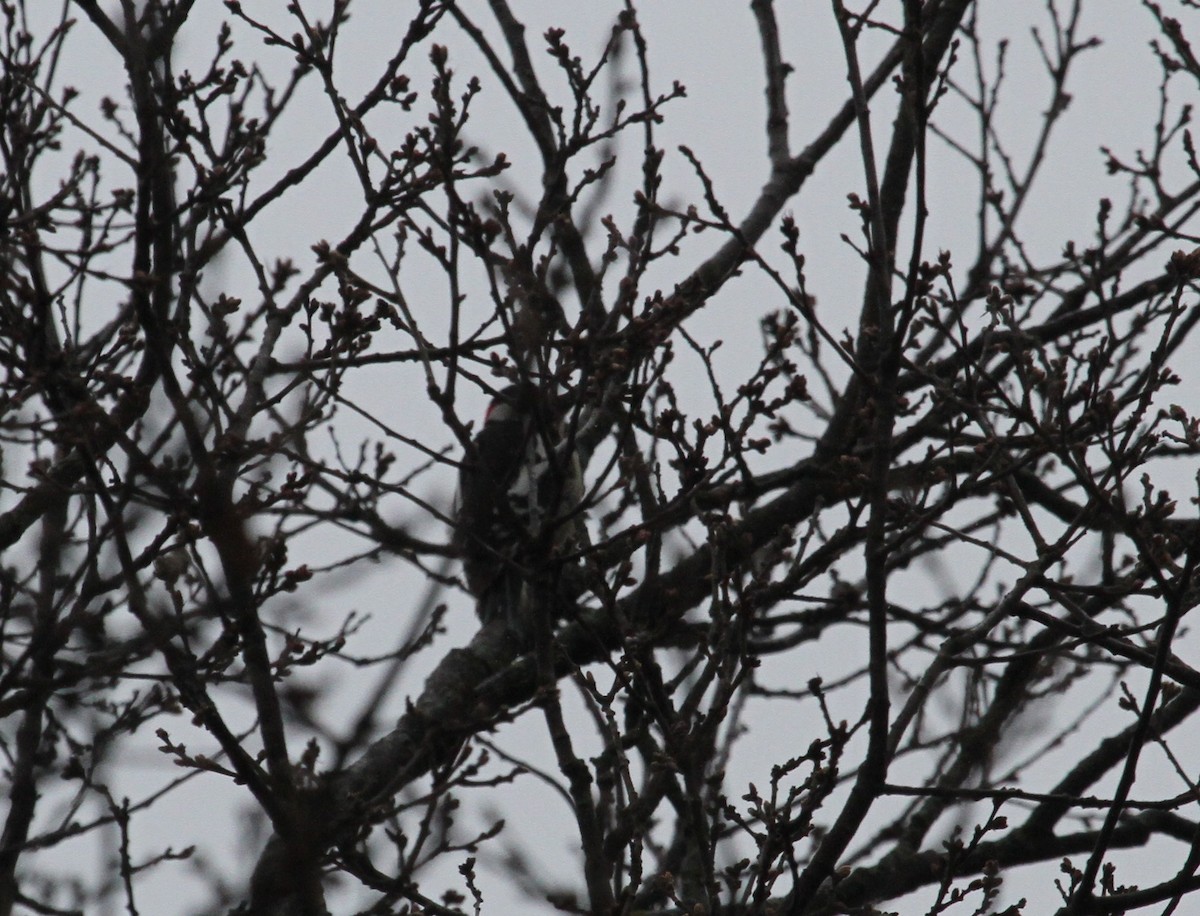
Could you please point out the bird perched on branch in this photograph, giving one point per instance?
(519, 494)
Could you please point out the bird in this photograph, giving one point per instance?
(519, 492)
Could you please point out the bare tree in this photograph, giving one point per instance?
(889, 607)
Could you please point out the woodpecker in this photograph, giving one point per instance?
(518, 492)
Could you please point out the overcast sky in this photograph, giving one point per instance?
(712, 47)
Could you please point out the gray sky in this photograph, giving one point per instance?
(712, 48)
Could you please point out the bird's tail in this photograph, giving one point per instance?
(503, 601)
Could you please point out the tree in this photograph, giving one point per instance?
(887, 606)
